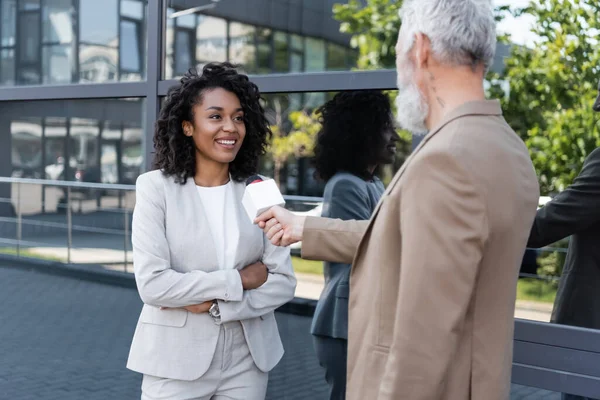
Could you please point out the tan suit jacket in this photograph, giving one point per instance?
(433, 282)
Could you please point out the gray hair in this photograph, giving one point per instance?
(462, 32)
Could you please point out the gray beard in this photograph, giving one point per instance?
(411, 109)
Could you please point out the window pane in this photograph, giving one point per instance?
(297, 43)
(186, 21)
(112, 41)
(98, 22)
(282, 57)
(29, 38)
(28, 5)
(294, 170)
(26, 145)
(56, 20)
(262, 42)
(57, 63)
(7, 67)
(336, 57)
(9, 18)
(131, 153)
(297, 63)
(55, 136)
(211, 39)
(315, 55)
(130, 47)
(83, 150)
(97, 64)
(132, 8)
(104, 139)
(242, 50)
(184, 59)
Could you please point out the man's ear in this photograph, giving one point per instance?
(422, 50)
(187, 127)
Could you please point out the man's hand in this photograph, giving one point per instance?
(281, 227)
(254, 275)
(194, 308)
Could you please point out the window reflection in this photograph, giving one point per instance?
(293, 170)
(80, 140)
(314, 54)
(65, 41)
(56, 21)
(8, 10)
(95, 29)
(242, 50)
(261, 45)
(211, 40)
(57, 64)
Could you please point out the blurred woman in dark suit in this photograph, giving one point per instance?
(357, 136)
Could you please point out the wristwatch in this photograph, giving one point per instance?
(214, 312)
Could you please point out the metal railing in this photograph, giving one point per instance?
(22, 212)
(33, 219)
(113, 219)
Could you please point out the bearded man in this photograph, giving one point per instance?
(433, 282)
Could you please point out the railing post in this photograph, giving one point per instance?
(126, 236)
(69, 226)
(19, 222)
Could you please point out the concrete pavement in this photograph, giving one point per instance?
(68, 339)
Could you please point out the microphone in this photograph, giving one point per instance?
(260, 195)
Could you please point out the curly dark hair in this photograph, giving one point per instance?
(175, 153)
(351, 136)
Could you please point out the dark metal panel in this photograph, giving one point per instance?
(155, 34)
(555, 380)
(557, 358)
(557, 335)
(315, 82)
(99, 109)
(73, 91)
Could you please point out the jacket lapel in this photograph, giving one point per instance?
(488, 107)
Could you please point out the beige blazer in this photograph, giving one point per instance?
(175, 265)
(433, 283)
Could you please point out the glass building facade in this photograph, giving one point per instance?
(81, 83)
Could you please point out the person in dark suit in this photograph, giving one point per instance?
(575, 212)
(357, 136)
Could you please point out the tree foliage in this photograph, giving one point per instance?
(552, 88)
(551, 85)
(374, 28)
(299, 142)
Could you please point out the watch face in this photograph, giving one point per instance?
(214, 310)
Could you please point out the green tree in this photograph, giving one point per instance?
(551, 85)
(552, 88)
(299, 142)
(374, 27)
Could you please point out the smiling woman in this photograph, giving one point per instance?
(209, 279)
(201, 118)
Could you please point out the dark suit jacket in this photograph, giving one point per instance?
(575, 212)
(346, 197)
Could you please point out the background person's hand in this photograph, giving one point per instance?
(254, 275)
(194, 308)
(281, 227)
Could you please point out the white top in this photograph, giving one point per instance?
(220, 210)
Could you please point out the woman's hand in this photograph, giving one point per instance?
(194, 308)
(254, 275)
